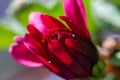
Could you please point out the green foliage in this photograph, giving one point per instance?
(115, 58)
(24, 13)
(98, 69)
(101, 65)
(91, 25)
(93, 78)
(115, 61)
(6, 37)
(117, 2)
(95, 71)
(109, 76)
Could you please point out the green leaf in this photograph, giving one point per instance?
(94, 31)
(6, 37)
(109, 76)
(96, 71)
(115, 61)
(92, 78)
(117, 2)
(115, 58)
(101, 65)
(22, 16)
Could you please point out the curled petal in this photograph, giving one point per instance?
(59, 52)
(23, 56)
(33, 40)
(63, 55)
(18, 39)
(75, 28)
(81, 57)
(36, 20)
(44, 23)
(36, 50)
(34, 31)
(52, 22)
(65, 72)
(45, 61)
(74, 9)
(90, 53)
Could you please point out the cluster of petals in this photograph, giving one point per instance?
(66, 50)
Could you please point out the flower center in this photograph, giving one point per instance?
(60, 35)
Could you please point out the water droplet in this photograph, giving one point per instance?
(43, 41)
(49, 61)
(73, 35)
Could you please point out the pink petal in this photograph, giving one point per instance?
(64, 71)
(31, 53)
(74, 9)
(83, 48)
(57, 49)
(52, 22)
(44, 23)
(34, 31)
(61, 54)
(81, 57)
(18, 39)
(35, 20)
(75, 28)
(34, 40)
(48, 63)
(23, 56)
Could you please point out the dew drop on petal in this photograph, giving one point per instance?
(43, 41)
(49, 61)
(73, 35)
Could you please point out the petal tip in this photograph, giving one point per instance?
(18, 39)
(33, 16)
(10, 50)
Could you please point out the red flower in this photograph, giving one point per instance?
(65, 50)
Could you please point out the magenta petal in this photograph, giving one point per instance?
(64, 56)
(34, 31)
(43, 22)
(81, 57)
(59, 52)
(83, 48)
(34, 40)
(23, 56)
(52, 22)
(48, 63)
(65, 72)
(35, 20)
(74, 9)
(77, 30)
(18, 39)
